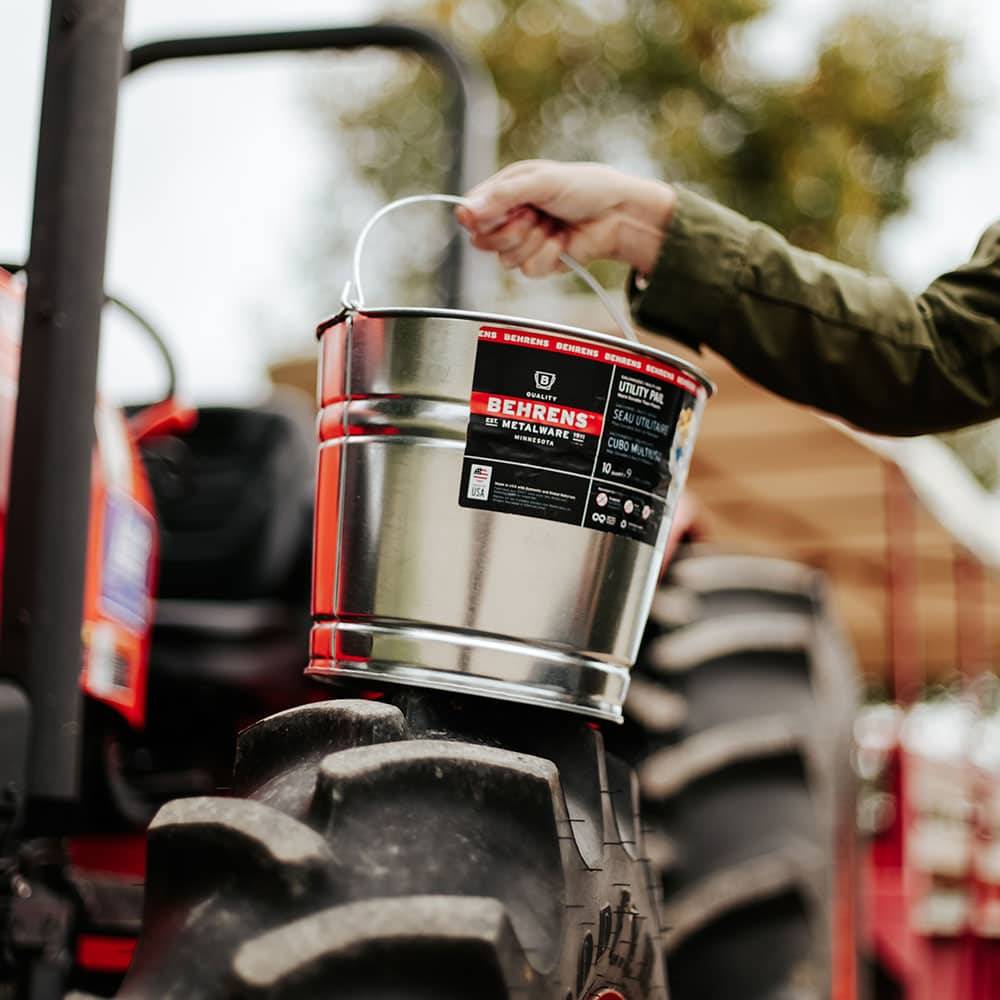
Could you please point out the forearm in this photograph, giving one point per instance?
(827, 335)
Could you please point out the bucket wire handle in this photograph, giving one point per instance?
(353, 296)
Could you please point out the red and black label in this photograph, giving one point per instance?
(574, 431)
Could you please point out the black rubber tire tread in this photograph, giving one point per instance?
(738, 726)
(383, 852)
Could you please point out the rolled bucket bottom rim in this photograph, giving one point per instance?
(576, 684)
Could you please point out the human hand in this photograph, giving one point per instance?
(532, 211)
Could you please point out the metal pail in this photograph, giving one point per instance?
(494, 495)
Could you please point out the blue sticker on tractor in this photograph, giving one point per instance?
(128, 551)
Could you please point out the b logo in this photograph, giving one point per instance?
(545, 380)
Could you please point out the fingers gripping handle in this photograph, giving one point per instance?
(353, 296)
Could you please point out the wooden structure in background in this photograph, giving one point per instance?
(777, 479)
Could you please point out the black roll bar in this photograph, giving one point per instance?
(469, 94)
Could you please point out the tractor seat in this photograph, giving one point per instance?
(234, 498)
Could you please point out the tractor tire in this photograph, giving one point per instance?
(739, 721)
(434, 848)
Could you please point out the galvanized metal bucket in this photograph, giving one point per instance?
(494, 497)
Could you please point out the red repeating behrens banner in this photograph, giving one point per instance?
(512, 408)
(621, 357)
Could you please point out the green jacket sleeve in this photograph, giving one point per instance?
(827, 335)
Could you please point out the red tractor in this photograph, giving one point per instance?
(430, 826)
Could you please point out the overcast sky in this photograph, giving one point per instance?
(217, 166)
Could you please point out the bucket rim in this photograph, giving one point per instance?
(520, 321)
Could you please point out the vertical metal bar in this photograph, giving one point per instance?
(901, 584)
(46, 539)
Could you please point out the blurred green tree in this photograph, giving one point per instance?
(665, 87)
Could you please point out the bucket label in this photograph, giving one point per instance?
(576, 431)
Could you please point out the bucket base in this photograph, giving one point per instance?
(468, 664)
